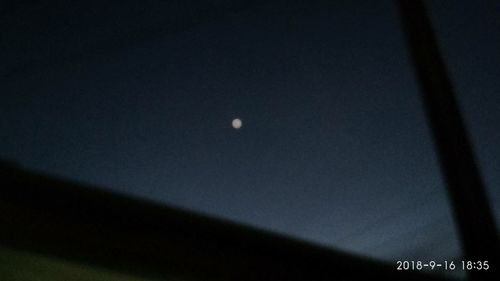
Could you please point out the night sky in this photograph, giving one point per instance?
(138, 97)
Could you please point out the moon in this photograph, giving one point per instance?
(237, 123)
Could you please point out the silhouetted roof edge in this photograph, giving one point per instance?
(86, 224)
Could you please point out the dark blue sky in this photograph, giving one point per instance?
(334, 146)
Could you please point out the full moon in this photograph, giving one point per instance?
(237, 123)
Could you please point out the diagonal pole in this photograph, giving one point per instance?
(466, 190)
